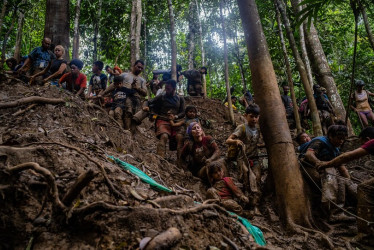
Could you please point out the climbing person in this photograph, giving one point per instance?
(302, 139)
(112, 72)
(362, 107)
(191, 116)
(287, 103)
(335, 189)
(198, 151)
(194, 81)
(38, 59)
(246, 99)
(55, 69)
(119, 95)
(365, 190)
(74, 81)
(12, 64)
(324, 107)
(244, 142)
(97, 82)
(153, 84)
(167, 106)
(233, 101)
(224, 189)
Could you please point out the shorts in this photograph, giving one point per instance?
(164, 127)
(365, 113)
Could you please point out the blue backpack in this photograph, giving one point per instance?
(331, 150)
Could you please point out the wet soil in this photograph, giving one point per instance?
(72, 138)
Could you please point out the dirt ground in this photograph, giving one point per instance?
(58, 190)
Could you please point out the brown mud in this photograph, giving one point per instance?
(113, 209)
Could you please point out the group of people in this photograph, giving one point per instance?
(123, 94)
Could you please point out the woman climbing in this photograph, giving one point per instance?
(361, 98)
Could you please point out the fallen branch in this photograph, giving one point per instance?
(82, 181)
(47, 175)
(20, 112)
(31, 99)
(230, 242)
(102, 170)
(100, 205)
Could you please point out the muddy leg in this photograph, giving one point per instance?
(161, 146)
(179, 138)
(118, 115)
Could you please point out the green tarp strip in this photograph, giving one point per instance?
(143, 176)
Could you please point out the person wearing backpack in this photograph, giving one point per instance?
(245, 139)
(334, 183)
(362, 107)
(325, 109)
(168, 106)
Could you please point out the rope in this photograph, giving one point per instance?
(344, 210)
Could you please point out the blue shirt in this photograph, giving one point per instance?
(41, 58)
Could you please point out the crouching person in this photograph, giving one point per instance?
(224, 189)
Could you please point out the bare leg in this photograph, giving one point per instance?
(161, 146)
(364, 119)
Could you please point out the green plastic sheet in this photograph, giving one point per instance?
(143, 176)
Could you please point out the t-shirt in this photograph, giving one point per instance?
(287, 102)
(199, 150)
(40, 57)
(369, 146)
(250, 137)
(163, 103)
(119, 96)
(74, 85)
(226, 188)
(98, 81)
(55, 66)
(193, 76)
(128, 79)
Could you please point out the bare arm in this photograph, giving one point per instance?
(343, 158)
(24, 66)
(57, 73)
(233, 140)
(311, 157)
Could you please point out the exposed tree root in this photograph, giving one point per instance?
(92, 105)
(108, 181)
(31, 99)
(82, 181)
(230, 242)
(20, 112)
(100, 205)
(46, 174)
(169, 198)
(302, 230)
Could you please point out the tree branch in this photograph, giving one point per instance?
(31, 99)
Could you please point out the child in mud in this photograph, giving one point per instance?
(191, 116)
(119, 96)
(245, 138)
(224, 189)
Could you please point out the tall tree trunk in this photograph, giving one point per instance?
(367, 25)
(201, 46)
(173, 42)
(76, 30)
(136, 21)
(239, 60)
(21, 21)
(322, 70)
(231, 112)
(317, 128)
(145, 42)
(96, 30)
(304, 54)
(293, 205)
(2, 15)
(289, 73)
(191, 34)
(5, 39)
(57, 23)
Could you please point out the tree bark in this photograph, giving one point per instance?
(138, 28)
(57, 23)
(136, 21)
(231, 112)
(2, 15)
(321, 69)
(317, 128)
(367, 25)
(76, 30)
(191, 34)
(96, 30)
(145, 42)
(173, 42)
(293, 205)
(17, 50)
(239, 60)
(201, 46)
(5, 39)
(288, 73)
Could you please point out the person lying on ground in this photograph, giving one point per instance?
(132, 80)
(168, 106)
(362, 107)
(194, 81)
(119, 96)
(38, 59)
(326, 148)
(97, 82)
(198, 151)
(245, 141)
(74, 81)
(55, 69)
(224, 189)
